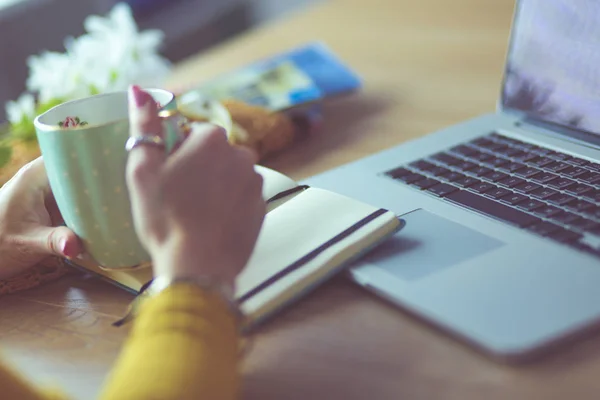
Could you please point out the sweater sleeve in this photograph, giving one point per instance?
(183, 345)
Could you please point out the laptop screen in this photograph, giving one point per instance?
(553, 65)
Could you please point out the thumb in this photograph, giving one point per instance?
(59, 241)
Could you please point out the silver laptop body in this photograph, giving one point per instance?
(483, 264)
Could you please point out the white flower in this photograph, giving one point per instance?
(110, 57)
(23, 108)
(55, 76)
(127, 56)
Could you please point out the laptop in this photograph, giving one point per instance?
(502, 243)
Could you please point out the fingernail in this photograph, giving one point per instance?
(62, 245)
(66, 250)
(137, 96)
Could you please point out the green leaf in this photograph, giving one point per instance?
(94, 90)
(5, 154)
(114, 75)
(23, 130)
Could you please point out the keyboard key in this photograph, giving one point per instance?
(411, 178)
(517, 154)
(446, 158)
(527, 146)
(579, 189)
(502, 139)
(593, 212)
(594, 230)
(465, 165)
(578, 205)
(511, 166)
(480, 156)
(514, 198)
(492, 208)
(482, 142)
(543, 193)
(565, 217)
(565, 236)
(464, 150)
(480, 171)
(497, 193)
(577, 161)
(482, 187)
(543, 151)
(398, 172)
(452, 176)
(530, 204)
(527, 187)
(495, 162)
(543, 177)
(495, 176)
(590, 177)
(544, 228)
(581, 245)
(438, 171)
(559, 156)
(593, 166)
(422, 165)
(495, 147)
(574, 172)
(593, 196)
(541, 162)
(547, 211)
(561, 183)
(582, 224)
(425, 183)
(524, 157)
(560, 198)
(511, 181)
(466, 181)
(510, 152)
(441, 190)
(557, 166)
(527, 172)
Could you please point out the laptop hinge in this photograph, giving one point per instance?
(556, 131)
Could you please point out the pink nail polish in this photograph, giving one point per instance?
(138, 96)
(62, 245)
(69, 250)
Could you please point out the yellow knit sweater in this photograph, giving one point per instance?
(183, 345)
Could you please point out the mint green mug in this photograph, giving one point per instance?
(83, 146)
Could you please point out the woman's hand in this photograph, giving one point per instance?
(29, 222)
(199, 210)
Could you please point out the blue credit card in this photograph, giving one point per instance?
(304, 75)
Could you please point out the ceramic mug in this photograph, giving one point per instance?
(83, 146)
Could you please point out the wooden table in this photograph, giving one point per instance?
(426, 64)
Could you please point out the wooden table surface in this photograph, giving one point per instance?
(426, 64)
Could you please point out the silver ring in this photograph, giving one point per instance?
(151, 140)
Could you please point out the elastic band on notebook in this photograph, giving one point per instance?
(286, 193)
(310, 256)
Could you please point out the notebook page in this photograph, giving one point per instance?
(298, 227)
(274, 182)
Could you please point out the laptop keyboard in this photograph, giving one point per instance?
(548, 193)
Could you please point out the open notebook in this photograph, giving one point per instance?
(308, 235)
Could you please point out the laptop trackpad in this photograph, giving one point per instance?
(427, 244)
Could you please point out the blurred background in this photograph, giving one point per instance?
(30, 26)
